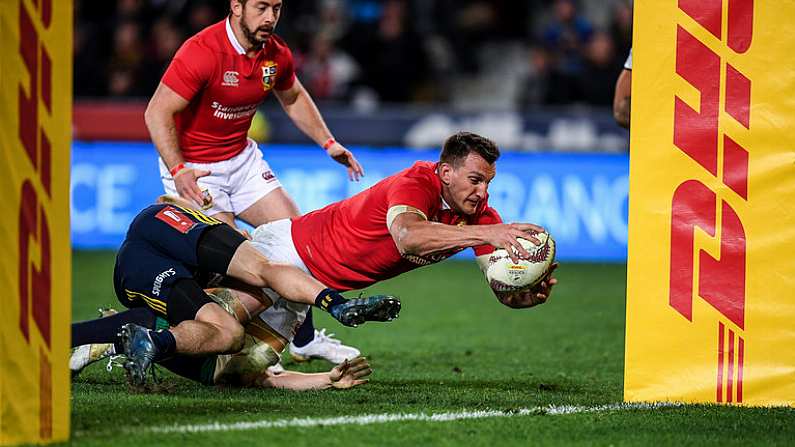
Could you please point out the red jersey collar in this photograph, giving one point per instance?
(232, 39)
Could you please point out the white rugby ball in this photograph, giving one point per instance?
(505, 276)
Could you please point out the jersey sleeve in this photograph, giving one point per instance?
(489, 216)
(286, 78)
(190, 70)
(628, 62)
(409, 195)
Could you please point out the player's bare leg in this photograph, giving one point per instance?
(250, 266)
(214, 331)
(276, 205)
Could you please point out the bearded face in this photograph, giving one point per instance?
(258, 19)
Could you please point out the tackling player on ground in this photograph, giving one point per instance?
(200, 114)
(265, 339)
(171, 253)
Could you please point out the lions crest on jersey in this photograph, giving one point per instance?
(268, 75)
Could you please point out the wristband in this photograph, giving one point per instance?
(173, 171)
(330, 142)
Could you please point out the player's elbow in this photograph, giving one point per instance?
(150, 115)
(621, 115)
(156, 115)
(411, 245)
(407, 241)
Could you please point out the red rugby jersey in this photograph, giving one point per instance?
(347, 244)
(224, 88)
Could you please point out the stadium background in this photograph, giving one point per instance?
(509, 70)
(535, 76)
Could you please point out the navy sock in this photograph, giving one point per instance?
(305, 332)
(106, 330)
(165, 342)
(328, 299)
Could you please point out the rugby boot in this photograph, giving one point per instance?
(372, 308)
(323, 346)
(85, 355)
(82, 356)
(140, 351)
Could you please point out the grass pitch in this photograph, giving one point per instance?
(454, 349)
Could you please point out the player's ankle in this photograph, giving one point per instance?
(328, 299)
(165, 343)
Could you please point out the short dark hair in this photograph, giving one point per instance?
(458, 146)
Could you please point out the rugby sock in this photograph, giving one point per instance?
(165, 343)
(328, 299)
(305, 332)
(106, 330)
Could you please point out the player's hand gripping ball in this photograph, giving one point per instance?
(505, 276)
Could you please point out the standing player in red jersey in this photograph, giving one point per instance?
(200, 114)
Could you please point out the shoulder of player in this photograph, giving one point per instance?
(423, 171)
(421, 182)
(209, 41)
(276, 46)
(419, 169)
(278, 42)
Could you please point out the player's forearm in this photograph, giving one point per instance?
(621, 98)
(428, 238)
(306, 116)
(296, 381)
(163, 132)
(621, 112)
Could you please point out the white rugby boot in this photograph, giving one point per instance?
(323, 346)
(85, 355)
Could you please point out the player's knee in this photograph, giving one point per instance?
(259, 270)
(237, 338)
(231, 332)
(233, 336)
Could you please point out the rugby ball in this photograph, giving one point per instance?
(505, 276)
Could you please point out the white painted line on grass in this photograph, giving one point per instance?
(368, 419)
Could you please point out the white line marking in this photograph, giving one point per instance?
(368, 419)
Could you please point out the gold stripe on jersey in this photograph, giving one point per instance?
(201, 217)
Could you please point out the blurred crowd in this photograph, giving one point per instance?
(465, 53)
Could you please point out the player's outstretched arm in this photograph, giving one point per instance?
(301, 109)
(414, 235)
(347, 374)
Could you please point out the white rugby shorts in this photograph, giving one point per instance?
(234, 184)
(275, 241)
